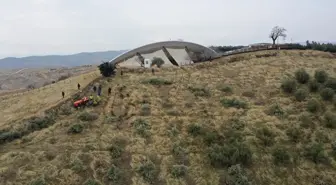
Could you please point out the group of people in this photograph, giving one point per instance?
(94, 90)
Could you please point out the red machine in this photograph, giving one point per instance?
(80, 102)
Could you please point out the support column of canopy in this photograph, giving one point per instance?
(141, 59)
(168, 55)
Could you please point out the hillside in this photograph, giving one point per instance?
(228, 121)
(87, 58)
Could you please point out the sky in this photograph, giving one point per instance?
(45, 27)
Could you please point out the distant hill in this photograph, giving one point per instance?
(58, 60)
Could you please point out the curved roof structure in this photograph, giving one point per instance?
(149, 48)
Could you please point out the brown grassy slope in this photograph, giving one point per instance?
(35, 101)
(61, 158)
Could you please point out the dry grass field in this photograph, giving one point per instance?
(227, 121)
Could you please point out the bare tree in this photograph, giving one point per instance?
(277, 32)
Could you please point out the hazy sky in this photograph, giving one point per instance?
(41, 27)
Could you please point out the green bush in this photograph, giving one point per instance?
(226, 89)
(39, 181)
(288, 85)
(313, 106)
(157, 61)
(281, 156)
(178, 171)
(145, 110)
(294, 134)
(330, 120)
(313, 86)
(194, 129)
(327, 94)
(302, 76)
(301, 94)
(321, 76)
(86, 116)
(236, 176)
(148, 171)
(333, 149)
(38, 123)
(275, 110)
(157, 81)
(331, 83)
(107, 69)
(306, 120)
(142, 127)
(239, 104)
(7, 136)
(91, 182)
(118, 147)
(200, 91)
(321, 136)
(180, 154)
(76, 128)
(211, 138)
(114, 174)
(315, 152)
(266, 136)
(229, 154)
(65, 110)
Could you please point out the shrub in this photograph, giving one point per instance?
(327, 94)
(315, 152)
(7, 136)
(180, 154)
(288, 85)
(306, 120)
(63, 77)
(76, 128)
(194, 129)
(91, 182)
(281, 156)
(321, 137)
(39, 181)
(118, 147)
(200, 91)
(142, 127)
(114, 174)
(107, 69)
(179, 170)
(331, 83)
(157, 61)
(266, 136)
(145, 110)
(302, 76)
(211, 138)
(77, 166)
(313, 105)
(313, 86)
(301, 94)
(65, 110)
(148, 171)
(38, 123)
(86, 116)
(294, 133)
(275, 110)
(333, 149)
(236, 176)
(233, 103)
(157, 81)
(321, 76)
(226, 89)
(330, 120)
(230, 154)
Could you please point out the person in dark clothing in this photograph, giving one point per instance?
(78, 85)
(121, 72)
(94, 88)
(109, 91)
(63, 94)
(99, 90)
(152, 70)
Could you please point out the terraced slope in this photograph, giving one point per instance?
(223, 122)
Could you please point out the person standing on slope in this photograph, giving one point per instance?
(63, 94)
(78, 85)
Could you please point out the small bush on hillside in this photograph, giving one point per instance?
(313, 86)
(321, 137)
(114, 174)
(301, 94)
(157, 61)
(236, 176)
(200, 91)
(330, 120)
(211, 138)
(306, 120)
(230, 154)
(145, 110)
(107, 69)
(266, 136)
(194, 129)
(294, 134)
(225, 88)
(313, 106)
(77, 166)
(321, 76)
(91, 182)
(333, 149)
(178, 171)
(7, 136)
(275, 110)
(38, 123)
(239, 104)
(281, 156)
(39, 181)
(148, 171)
(86, 116)
(142, 127)
(331, 83)
(118, 147)
(315, 152)
(76, 128)
(63, 77)
(289, 85)
(327, 94)
(157, 81)
(65, 110)
(302, 76)
(180, 154)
